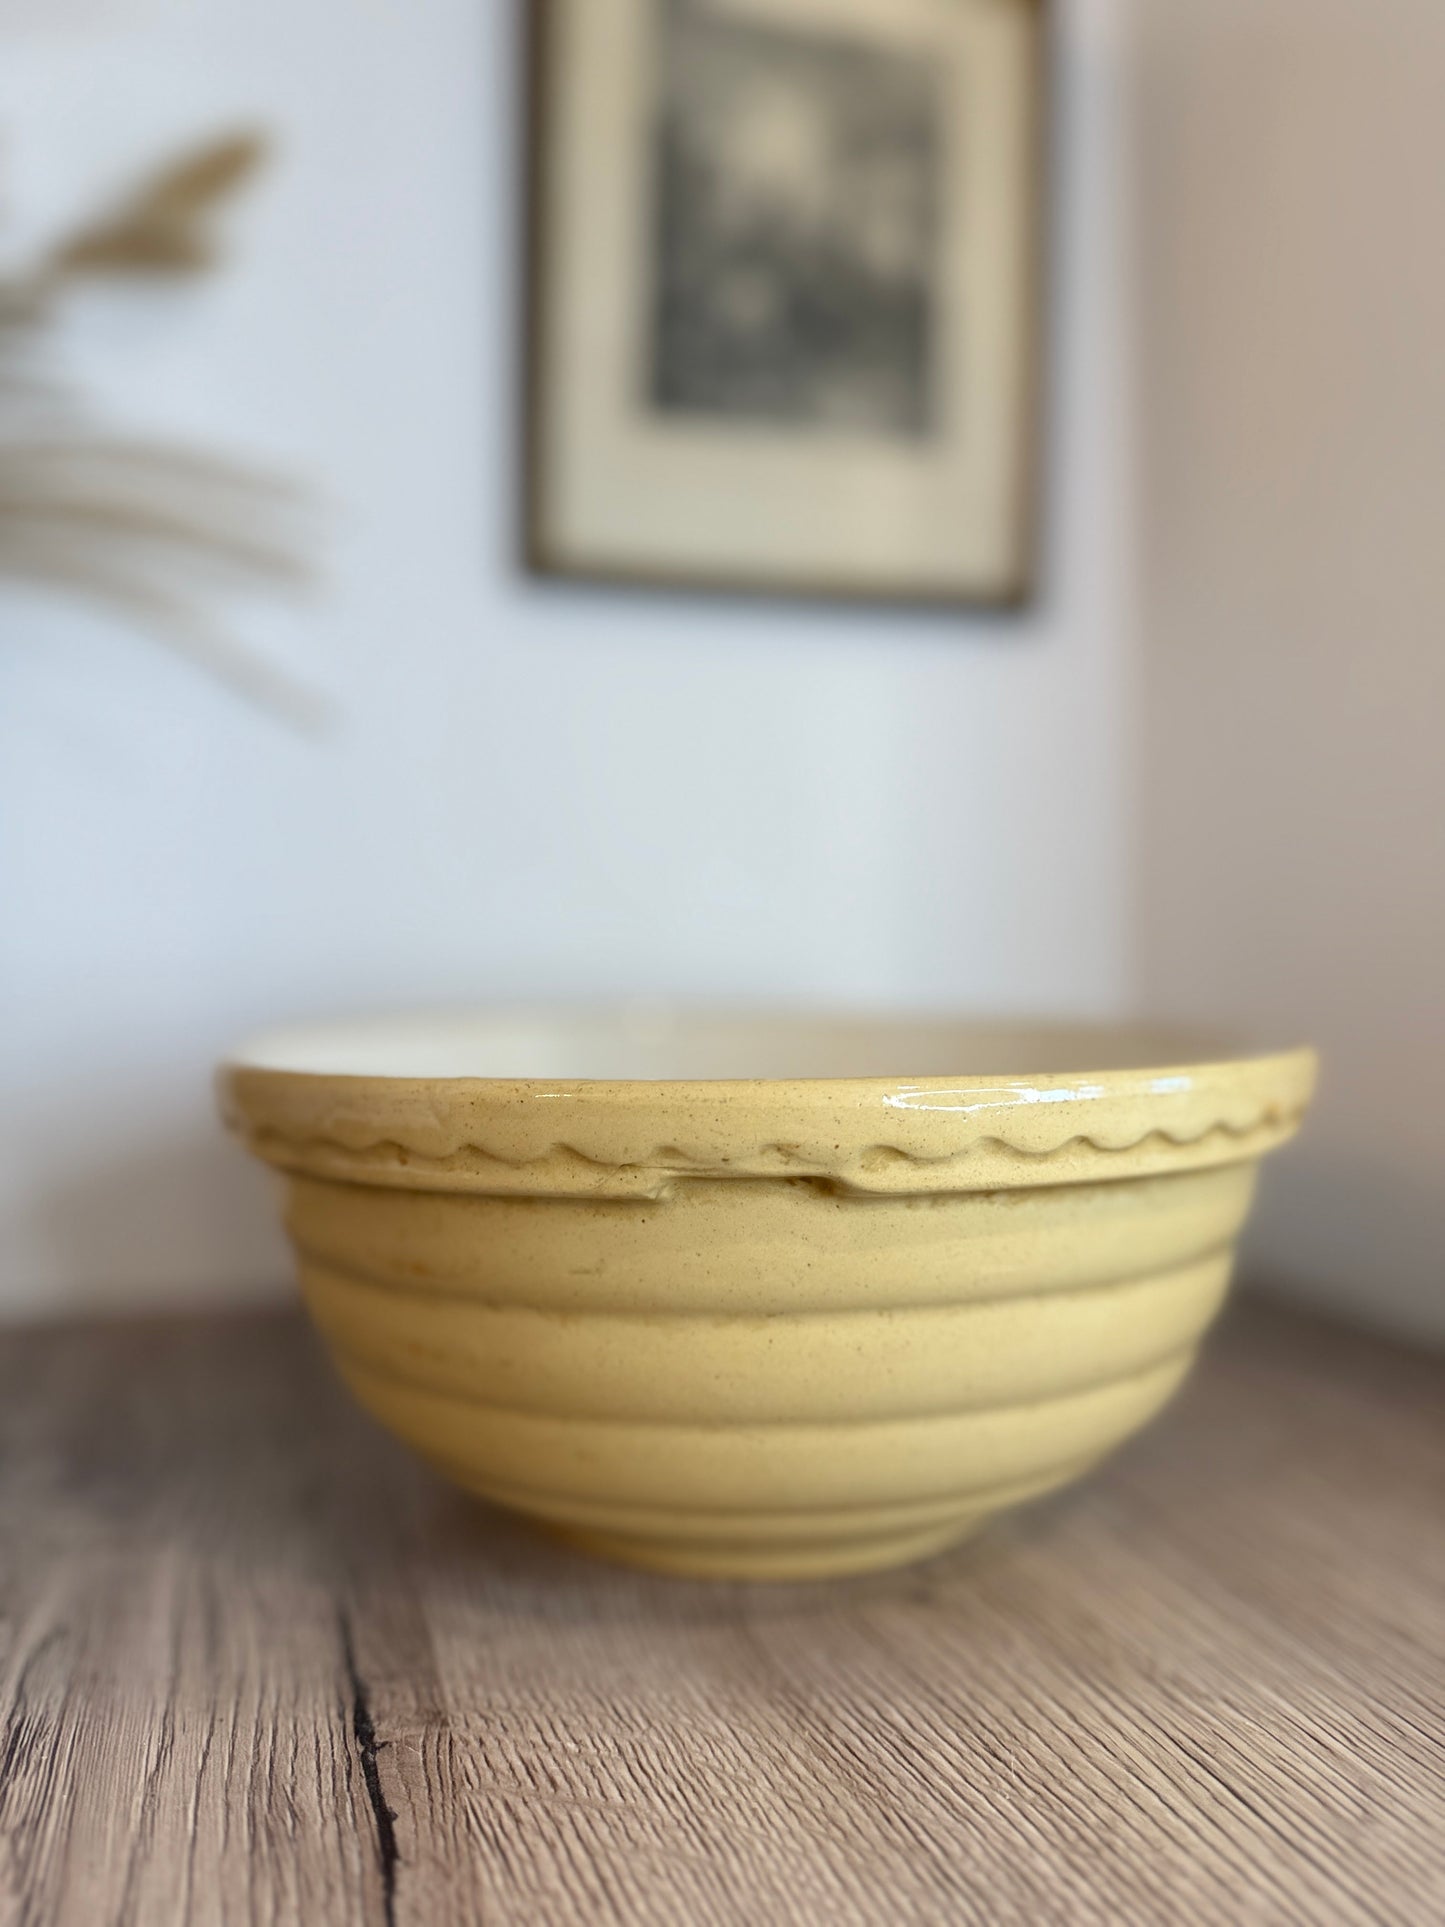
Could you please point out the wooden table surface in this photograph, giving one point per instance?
(257, 1666)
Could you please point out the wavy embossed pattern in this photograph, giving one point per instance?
(564, 1170)
(644, 1138)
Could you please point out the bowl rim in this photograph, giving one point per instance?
(1201, 1104)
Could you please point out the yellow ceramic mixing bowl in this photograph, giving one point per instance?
(760, 1297)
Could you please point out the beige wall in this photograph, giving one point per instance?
(1289, 171)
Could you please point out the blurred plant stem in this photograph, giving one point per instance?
(153, 531)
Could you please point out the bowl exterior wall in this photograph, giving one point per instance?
(768, 1377)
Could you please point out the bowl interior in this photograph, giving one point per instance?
(649, 1044)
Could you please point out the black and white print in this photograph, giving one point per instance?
(795, 228)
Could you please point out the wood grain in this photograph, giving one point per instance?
(256, 1666)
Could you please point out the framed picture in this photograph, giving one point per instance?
(784, 292)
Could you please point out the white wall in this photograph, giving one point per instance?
(1290, 165)
(528, 789)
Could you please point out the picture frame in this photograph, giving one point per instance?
(784, 292)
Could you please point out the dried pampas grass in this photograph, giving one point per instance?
(155, 532)
(164, 225)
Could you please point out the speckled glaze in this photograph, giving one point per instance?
(774, 1325)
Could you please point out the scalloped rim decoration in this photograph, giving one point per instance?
(865, 1136)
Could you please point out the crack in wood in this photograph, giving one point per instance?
(364, 1730)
